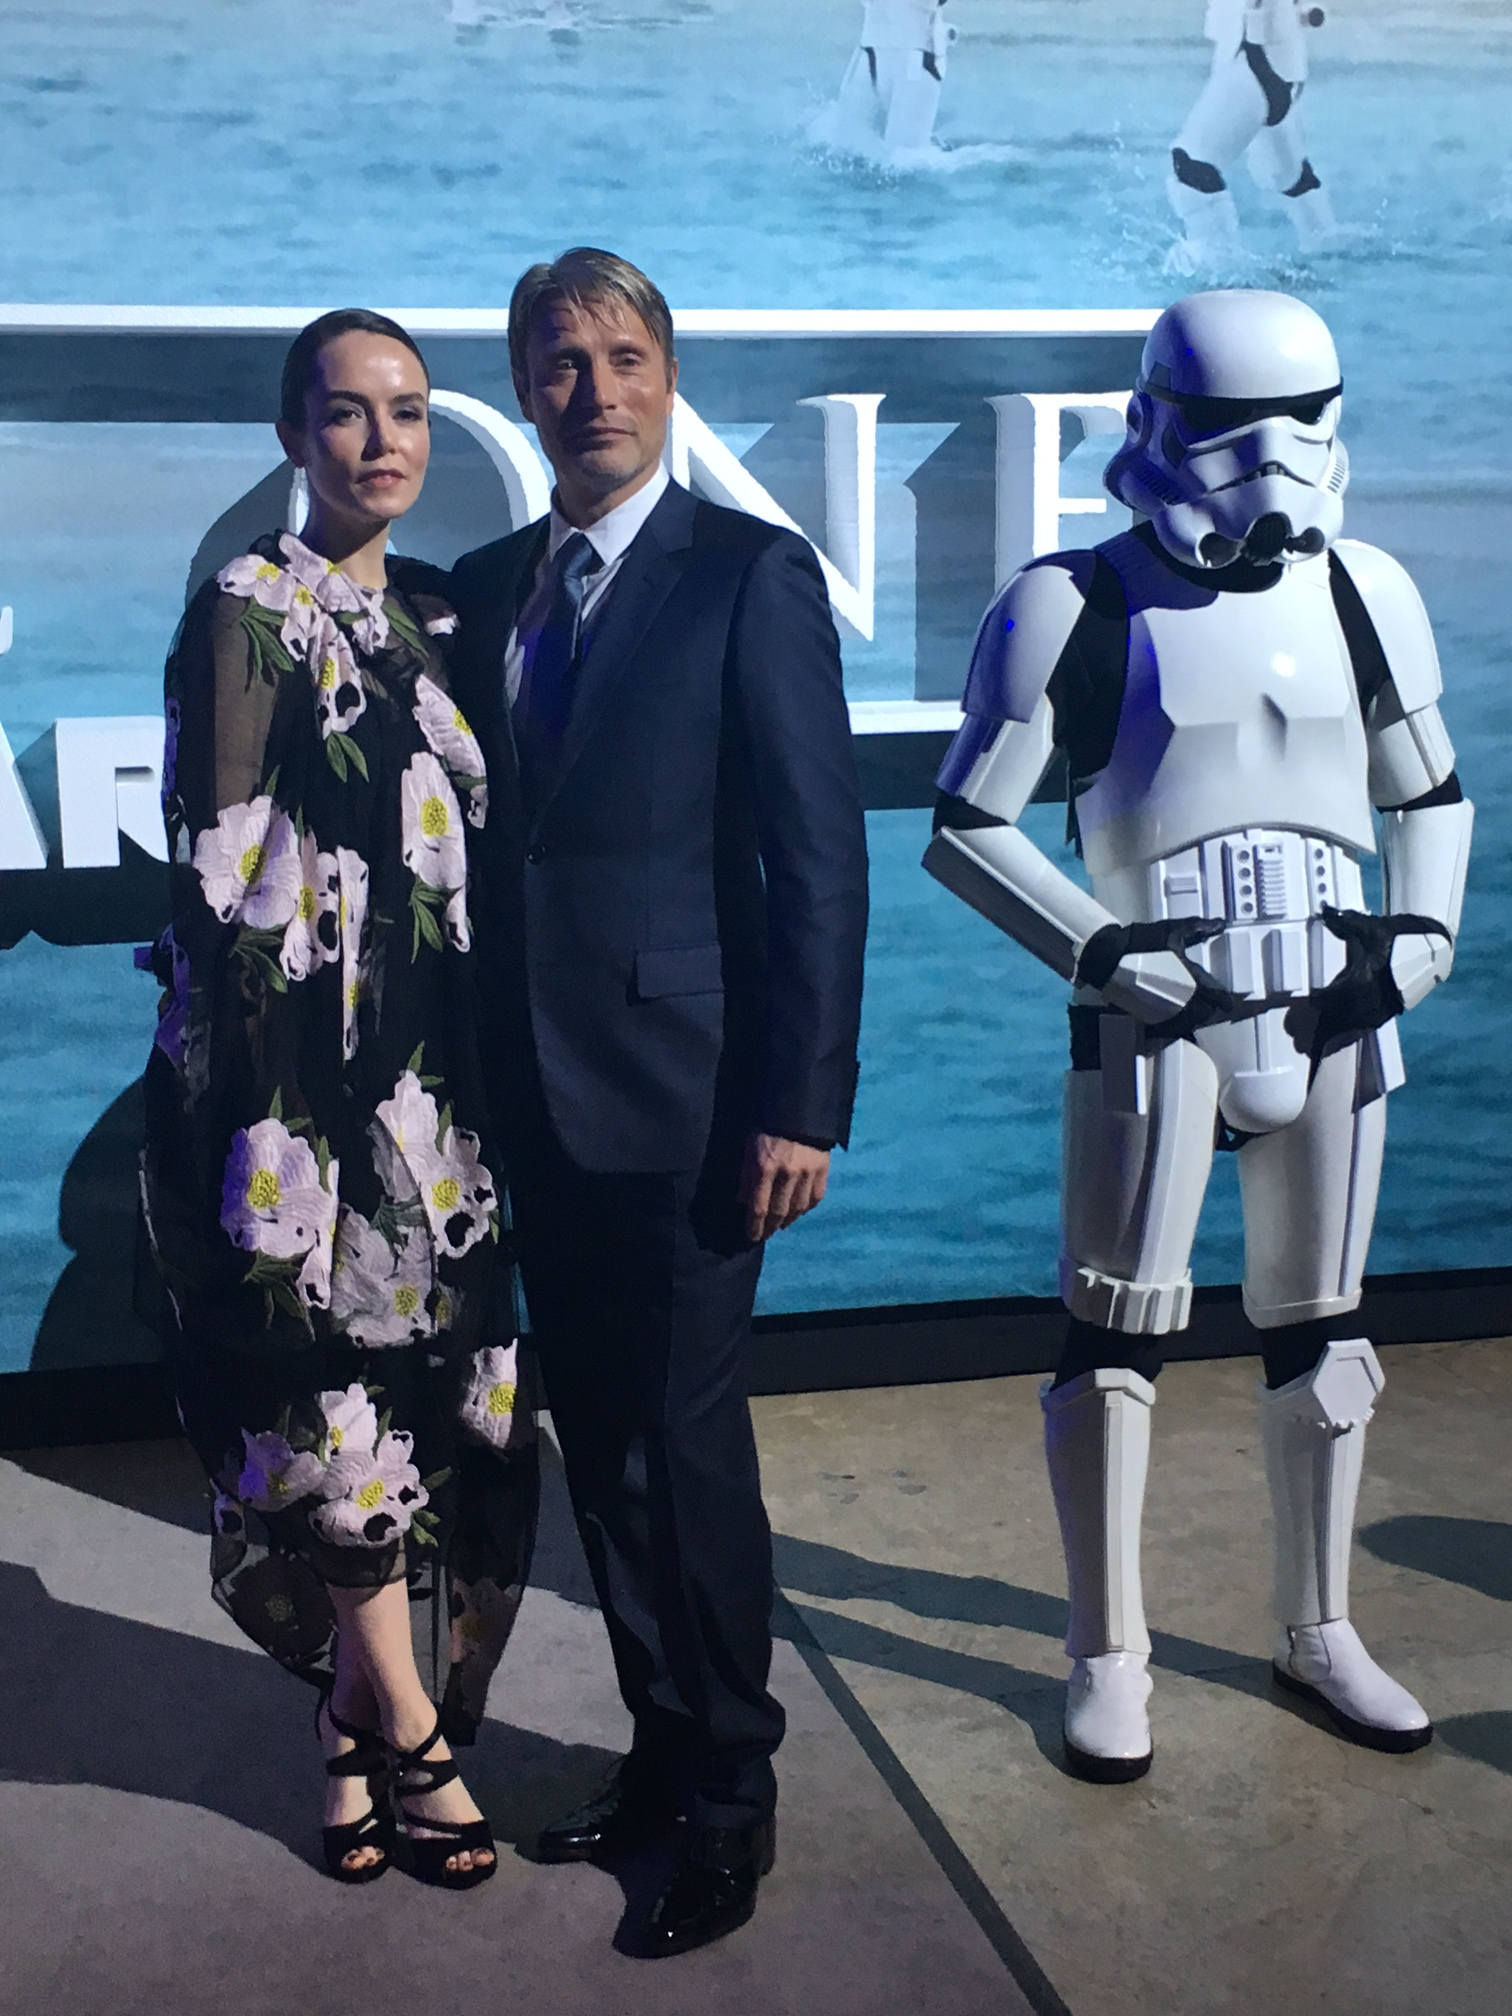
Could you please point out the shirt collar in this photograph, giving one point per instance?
(611, 536)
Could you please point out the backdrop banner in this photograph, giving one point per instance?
(911, 291)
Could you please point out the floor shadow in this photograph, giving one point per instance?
(161, 1480)
(204, 1725)
(559, 1563)
(164, 1480)
(810, 1567)
(1476, 1553)
(1485, 1738)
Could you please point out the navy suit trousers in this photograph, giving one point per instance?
(640, 1290)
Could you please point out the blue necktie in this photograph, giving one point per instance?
(545, 698)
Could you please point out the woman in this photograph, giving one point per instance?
(321, 1202)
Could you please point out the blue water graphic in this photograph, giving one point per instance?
(415, 153)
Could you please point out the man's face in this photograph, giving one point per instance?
(599, 391)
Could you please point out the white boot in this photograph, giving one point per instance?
(1314, 1434)
(1313, 219)
(1097, 1446)
(1212, 243)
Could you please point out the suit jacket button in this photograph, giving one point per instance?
(536, 855)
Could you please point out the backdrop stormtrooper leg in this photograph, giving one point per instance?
(909, 91)
(857, 113)
(1309, 1193)
(1227, 116)
(1277, 158)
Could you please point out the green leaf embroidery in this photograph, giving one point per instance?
(342, 750)
(400, 624)
(269, 655)
(417, 1058)
(424, 903)
(394, 1218)
(275, 1104)
(443, 1128)
(257, 948)
(276, 1279)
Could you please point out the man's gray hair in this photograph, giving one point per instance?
(586, 278)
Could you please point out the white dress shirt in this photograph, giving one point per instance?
(610, 538)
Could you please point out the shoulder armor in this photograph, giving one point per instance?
(1400, 621)
(1023, 635)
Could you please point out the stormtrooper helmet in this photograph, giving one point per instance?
(1233, 450)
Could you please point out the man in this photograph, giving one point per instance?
(672, 920)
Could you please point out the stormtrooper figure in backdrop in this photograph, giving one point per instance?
(891, 91)
(1237, 691)
(1248, 106)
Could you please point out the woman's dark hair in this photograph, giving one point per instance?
(299, 365)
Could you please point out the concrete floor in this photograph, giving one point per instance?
(158, 1785)
(1263, 1866)
(158, 1810)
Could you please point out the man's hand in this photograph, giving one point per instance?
(780, 1181)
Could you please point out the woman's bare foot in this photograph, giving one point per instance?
(410, 1725)
(346, 1799)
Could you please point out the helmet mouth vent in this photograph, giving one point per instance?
(1216, 551)
(1268, 537)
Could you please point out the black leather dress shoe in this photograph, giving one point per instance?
(631, 1809)
(713, 1889)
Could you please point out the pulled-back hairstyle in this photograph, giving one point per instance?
(299, 365)
(587, 278)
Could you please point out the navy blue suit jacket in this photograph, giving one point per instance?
(683, 910)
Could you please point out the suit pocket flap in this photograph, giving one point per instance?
(683, 969)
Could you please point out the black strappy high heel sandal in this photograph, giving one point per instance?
(368, 1759)
(441, 1838)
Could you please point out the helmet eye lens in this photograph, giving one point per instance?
(1203, 417)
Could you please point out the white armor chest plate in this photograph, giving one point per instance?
(1239, 711)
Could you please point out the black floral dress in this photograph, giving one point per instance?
(321, 1194)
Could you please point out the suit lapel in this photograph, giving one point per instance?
(649, 572)
(514, 592)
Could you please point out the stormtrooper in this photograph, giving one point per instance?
(1248, 106)
(891, 90)
(1244, 701)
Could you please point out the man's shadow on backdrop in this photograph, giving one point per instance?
(90, 1318)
